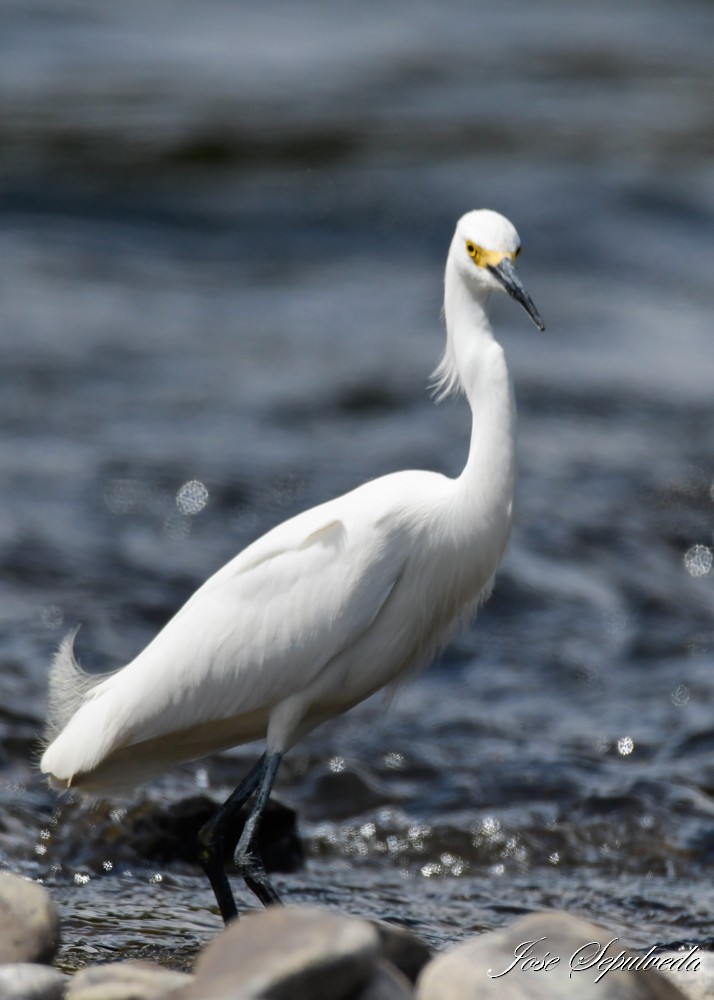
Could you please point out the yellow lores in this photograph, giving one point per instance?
(488, 258)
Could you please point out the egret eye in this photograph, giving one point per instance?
(518, 251)
(474, 252)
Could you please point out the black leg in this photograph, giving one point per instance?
(212, 840)
(246, 857)
(219, 834)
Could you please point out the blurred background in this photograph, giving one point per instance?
(222, 236)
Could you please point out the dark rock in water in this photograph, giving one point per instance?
(289, 952)
(28, 981)
(340, 794)
(402, 949)
(29, 923)
(544, 956)
(126, 981)
(168, 833)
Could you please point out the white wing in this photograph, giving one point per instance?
(266, 624)
(262, 628)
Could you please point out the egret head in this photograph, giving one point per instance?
(483, 251)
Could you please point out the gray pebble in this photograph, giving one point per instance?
(476, 968)
(126, 981)
(283, 953)
(29, 922)
(27, 981)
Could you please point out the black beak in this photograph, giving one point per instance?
(505, 272)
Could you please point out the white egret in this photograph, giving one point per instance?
(321, 611)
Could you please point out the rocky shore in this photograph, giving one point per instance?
(307, 953)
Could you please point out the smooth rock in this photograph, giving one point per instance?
(387, 983)
(28, 981)
(562, 944)
(286, 953)
(29, 922)
(694, 978)
(402, 948)
(126, 981)
(341, 794)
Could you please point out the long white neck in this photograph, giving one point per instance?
(476, 360)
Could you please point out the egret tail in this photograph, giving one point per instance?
(68, 686)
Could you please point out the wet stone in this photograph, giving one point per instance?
(28, 981)
(477, 967)
(126, 981)
(29, 922)
(341, 794)
(288, 952)
(163, 833)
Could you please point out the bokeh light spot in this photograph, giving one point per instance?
(191, 498)
(681, 695)
(698, 560)
(52, 616)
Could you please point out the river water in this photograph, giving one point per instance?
(222, 236)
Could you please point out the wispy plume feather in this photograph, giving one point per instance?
(68, 686)
(444, 380)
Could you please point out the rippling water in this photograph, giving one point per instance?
(222, 234)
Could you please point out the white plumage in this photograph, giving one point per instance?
(329, 606)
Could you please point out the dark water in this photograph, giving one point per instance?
(222, 235)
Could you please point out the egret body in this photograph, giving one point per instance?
(321, 611)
